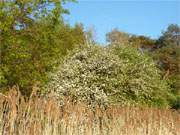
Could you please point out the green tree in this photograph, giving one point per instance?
(170, 36)
(20, 14)
(142, 42)
(167, 52)
(167, 55)
(120, 75)
(33, 39)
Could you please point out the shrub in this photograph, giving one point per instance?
(175, 104)
(97, 75)
(143, 79)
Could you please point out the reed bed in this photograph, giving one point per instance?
(41, 116)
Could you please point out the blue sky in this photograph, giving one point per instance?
(142, 17)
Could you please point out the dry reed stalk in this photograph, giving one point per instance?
(41, 116)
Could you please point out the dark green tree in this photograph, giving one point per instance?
(142, 42)
(167, 55)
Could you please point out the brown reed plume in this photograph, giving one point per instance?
(42, 116)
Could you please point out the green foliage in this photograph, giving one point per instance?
(23, 13)
(175, 104)
(142, 77)
(167, 54)
(167, 49)
(119, 75)
(142, 42)
(33, 41)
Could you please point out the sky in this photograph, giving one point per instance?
(141, 17)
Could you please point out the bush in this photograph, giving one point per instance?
(121, 75)
(175, 104)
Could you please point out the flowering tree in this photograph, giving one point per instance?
(97, 76)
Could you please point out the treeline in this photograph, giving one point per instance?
(165, 50)
(34, 38)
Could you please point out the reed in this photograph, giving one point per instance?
(42, 116)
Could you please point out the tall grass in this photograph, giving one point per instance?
(40, 116)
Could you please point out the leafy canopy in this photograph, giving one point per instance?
(120, 75)
(34, 39)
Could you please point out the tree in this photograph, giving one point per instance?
(142, 42)
(91, 35)
(167, 54)
(33, 40)
(170, 36)
(20, 14)
(116, 37)
(98, 76)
